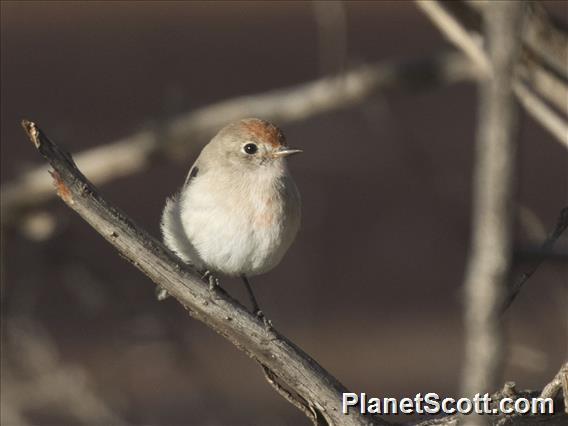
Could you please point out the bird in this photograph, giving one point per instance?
(239, 209)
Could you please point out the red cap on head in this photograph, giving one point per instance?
(264, 131)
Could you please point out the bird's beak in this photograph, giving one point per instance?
(285, 152)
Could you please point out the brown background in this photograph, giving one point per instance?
(371, 287)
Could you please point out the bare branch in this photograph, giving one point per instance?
(551, 390)
(134, 153)
(555, 124)
(556, 385)
(546, 38)
(491, 248)
(216, 309)
(548, 244)
(541, 65)
(542, 80)
(510, 392)
(469, 42)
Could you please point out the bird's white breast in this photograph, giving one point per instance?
(240, 225)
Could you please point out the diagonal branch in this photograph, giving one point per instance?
(293, 367)
(136, 152)
(547, 245)
(558, 383)
(541, 112)
(468, 41)
(540, 71)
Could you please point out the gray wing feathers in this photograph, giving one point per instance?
(174, 234)
(172, 228)
(192, 173)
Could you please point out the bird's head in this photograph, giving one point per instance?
(253, 143)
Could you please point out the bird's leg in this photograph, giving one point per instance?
(255, 308)
(212, 280)
(214, 283)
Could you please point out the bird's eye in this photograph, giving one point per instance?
(250, 148)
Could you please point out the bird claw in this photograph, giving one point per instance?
(206, 275)
(161, 293)
(213, 281)
(267, 323)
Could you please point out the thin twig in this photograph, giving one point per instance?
(546, 247)
(501, 419)
(542, 81)
(556, 384)
(538, 69)
(552, 122)
(547, 38)
(457, 33)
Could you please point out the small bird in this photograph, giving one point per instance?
(238, 211)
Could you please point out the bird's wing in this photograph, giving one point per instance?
(192, 173)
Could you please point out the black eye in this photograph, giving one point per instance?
(250, 148)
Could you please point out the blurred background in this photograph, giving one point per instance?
(372, 286)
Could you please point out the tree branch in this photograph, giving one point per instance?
(491, 247)
(560, 382)
(546, 248)
(469, 42)
(552, 390)
(136, 152)
(547, 38)
(219, 311)
(554, 123)
(541, 66)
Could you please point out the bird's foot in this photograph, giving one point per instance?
(267, 323)
(161, 293)
(206, 275)
(212, 280)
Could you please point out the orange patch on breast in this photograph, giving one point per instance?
(266, 217)
(265, 220)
